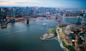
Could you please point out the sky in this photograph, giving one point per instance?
(45, 3)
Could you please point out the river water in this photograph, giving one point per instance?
(23, 37)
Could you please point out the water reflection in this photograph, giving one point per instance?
(22, 37)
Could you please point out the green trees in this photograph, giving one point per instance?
(52, 31)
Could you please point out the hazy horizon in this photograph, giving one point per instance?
(44, 3)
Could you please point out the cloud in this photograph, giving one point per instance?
(14, 0)
(7, 3)
(45, 3)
